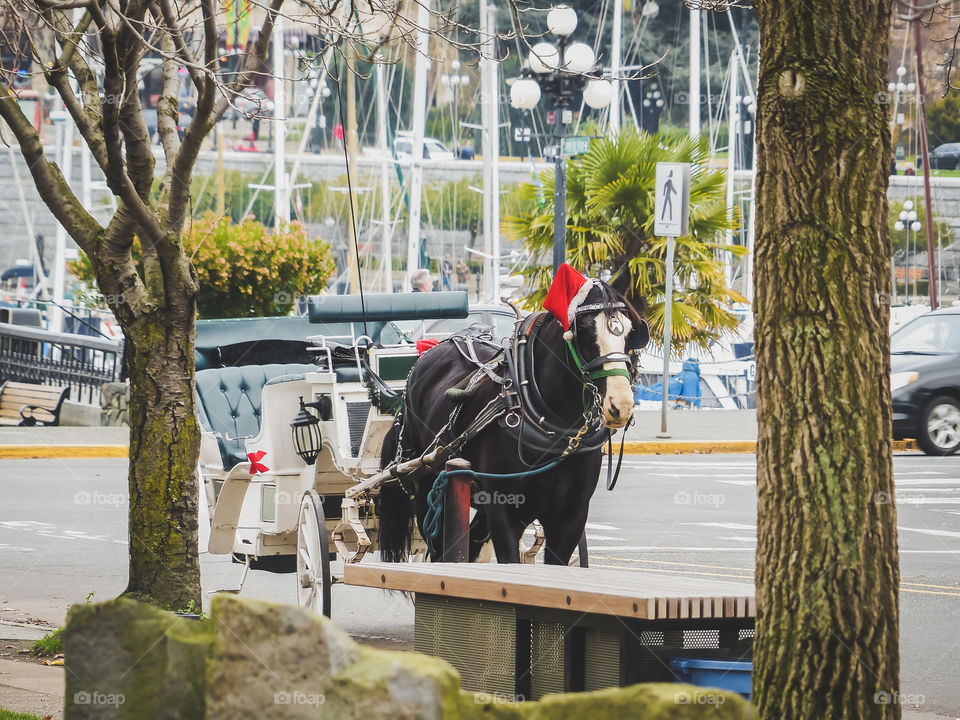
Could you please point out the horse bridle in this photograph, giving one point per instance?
(594, 370)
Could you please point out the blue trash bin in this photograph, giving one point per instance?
(733, 675)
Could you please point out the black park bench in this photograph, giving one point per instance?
(30, 404)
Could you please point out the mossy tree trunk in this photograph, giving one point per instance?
(164, 443)
(827, 562)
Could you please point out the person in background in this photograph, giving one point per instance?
(893, 165)
(338, 135)
(420, 281)
(467, 151)
(446, 270)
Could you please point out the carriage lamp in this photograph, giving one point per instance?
(306, 434)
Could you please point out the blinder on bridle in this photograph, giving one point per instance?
(636, 340)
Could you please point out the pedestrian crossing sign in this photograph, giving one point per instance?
(672, 199)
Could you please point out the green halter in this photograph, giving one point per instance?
(600, 372)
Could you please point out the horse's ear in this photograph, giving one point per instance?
(621, 282)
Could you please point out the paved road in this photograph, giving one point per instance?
(63, 529)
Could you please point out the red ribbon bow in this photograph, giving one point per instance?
(255, 465)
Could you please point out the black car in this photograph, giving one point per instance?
(945, 157)
(925, 379)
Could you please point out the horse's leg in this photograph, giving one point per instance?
(505, 531)
(479, 535)
(561, 541)
(564, 520)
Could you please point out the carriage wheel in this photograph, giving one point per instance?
(313, 556)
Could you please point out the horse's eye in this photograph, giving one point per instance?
(615, 326)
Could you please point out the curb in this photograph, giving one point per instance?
(631, 447)
(686, 447)
(28, 452)
(683, 447)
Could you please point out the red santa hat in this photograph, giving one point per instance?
(567, 292)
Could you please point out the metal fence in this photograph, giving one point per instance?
(80, 362)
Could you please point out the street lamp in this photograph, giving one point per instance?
(899, 87)
(907, 220)
(650, 109)
(454, 80)
(560, 72)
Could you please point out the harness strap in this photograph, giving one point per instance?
(612, 481)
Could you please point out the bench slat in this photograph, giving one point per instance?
(643, 595)
(24, 398)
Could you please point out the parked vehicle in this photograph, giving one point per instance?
(253, 103)
(925, 380)
(945, 157)
(433, 149)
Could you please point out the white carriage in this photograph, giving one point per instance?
(289, 428)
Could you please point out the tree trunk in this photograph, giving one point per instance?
(827, 562)
(164, 445)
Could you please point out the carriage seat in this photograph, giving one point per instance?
(230, 401)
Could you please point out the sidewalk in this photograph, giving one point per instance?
(27, 686)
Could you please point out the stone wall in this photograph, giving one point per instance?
(254, 659)
(114, 403)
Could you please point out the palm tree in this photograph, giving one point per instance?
(610, 215)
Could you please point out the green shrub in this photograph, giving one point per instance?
(244, 268)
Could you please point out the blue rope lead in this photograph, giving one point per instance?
(433, 520)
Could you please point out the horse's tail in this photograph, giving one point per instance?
(395, 508)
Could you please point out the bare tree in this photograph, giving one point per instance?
(90, 52)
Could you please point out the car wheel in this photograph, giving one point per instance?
(940, 426)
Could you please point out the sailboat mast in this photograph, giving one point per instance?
(491, 152)
(419, 120)
(693, 95)
(615, 63)
(281, 198)
(386, 256)
(350, 135)
(733, 120)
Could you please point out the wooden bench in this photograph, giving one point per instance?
(522, 631)
(29, 404)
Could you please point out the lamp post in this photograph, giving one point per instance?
(907, 220)
(899, 87)
(561, 72)
(454, 80)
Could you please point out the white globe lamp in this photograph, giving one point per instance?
(915, 226)
(598, 93)
(525, 94)
(562, 20)
(544, 58)
(579, 58)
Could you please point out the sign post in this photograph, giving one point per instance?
(671, 217)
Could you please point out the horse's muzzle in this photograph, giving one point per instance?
(617, 403)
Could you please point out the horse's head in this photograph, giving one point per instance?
(607, 327)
